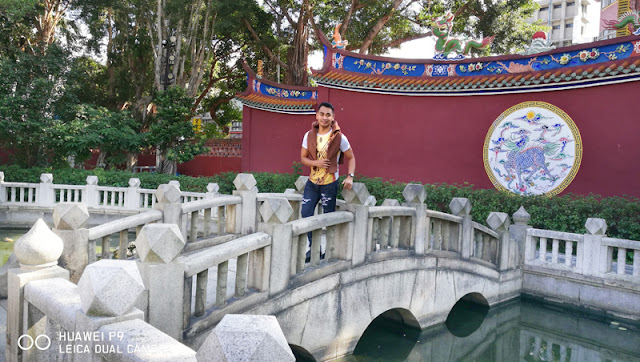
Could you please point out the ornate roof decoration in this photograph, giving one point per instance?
(615, 60)
(583, 65)
(267, 95)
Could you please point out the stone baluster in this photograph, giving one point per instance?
(241, 337)
(168, 198)
(109, 290)
(246, 218)
(69, 220)
(276, 212)
(461, 206)
(300, 183)
(46, 195)
(518, 232)
(212, 190)
(3, 189)
(499, 222)
(594, 255)
(37, 252)
(356, 250)
(132, 198)
(414, 195)
(91, 195)
(158, 246)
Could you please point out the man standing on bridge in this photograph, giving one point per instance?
(323, 148)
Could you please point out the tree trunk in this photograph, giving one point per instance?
(297, 57)
(378, 26)
(101, 163)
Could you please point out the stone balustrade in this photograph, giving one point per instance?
(252, 246)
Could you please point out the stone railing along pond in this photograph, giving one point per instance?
(201, 257)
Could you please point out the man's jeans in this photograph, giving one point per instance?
(313, 193)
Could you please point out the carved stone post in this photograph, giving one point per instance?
(414, 195)
(246, 188)
(461, 206)
(356, 198)
(168, 196)
(246, 338)
(46, 195)
(132, 200)
(594, 254)
(92, 196)
(158, 246)
(69, 220)
(499, 222)
(300, 183)
(275, 213)
(109, 290)
(212, 190)
(3, 189)
(37, 251)
(518, 232)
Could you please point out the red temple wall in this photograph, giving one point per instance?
(440, 139)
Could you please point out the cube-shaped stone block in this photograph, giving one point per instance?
(414, 193)
(498, 221)
(460, 206)
(175, 183)
(159, 243)
(109, 288)
(521, 217)
(244, 182)
(371, 201)
(276, 210)
(70, 216)
(290, 192)
(92, 180)
(213, 187)
(596, 226)
(46, 178)
(357, 195)
(134, 182)
(246, 338)
(168, 194)
(390, 202)
(39, 247)
(300, 183)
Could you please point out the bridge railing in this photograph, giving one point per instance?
(444, 232)
(391, 228)
(554, 249)
(485, 244)
(592, 254)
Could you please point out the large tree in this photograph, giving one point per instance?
(373, 27)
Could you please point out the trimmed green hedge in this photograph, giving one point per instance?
(561, 213)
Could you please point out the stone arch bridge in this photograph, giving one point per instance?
(201, 257)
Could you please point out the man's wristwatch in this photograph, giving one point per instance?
(352, 175)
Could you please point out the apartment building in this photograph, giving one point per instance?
(572, 21)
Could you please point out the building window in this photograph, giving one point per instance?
(568, 25)
(557, 6)
(584, 10)
(556, 27)
(544, 9)
(570, 4)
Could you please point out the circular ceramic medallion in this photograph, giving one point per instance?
(533, 148)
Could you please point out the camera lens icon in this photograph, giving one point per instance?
(26, 342)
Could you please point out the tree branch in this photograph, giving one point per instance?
(378, 26)
(264, 47)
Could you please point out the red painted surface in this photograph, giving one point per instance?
(209, 166)
(435, 139)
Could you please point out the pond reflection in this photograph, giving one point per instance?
(522, 330)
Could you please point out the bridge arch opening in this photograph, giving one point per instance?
(467, 315)
(301, 354)
(390, 336)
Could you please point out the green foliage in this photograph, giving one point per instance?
(31, 93)
(172, 129)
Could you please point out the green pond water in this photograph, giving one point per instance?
(521, 330)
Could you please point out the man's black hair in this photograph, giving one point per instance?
(328, 105)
